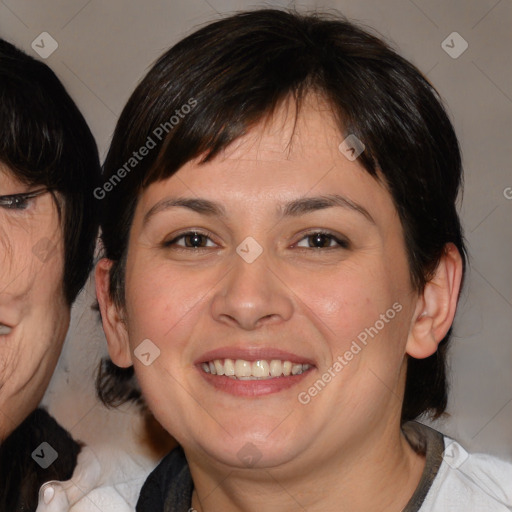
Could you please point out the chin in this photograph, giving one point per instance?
(251, 449)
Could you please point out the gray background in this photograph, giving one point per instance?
(104, 48)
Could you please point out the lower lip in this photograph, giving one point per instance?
(239, 387)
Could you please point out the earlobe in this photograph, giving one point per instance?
(436, 306)
(113, 323)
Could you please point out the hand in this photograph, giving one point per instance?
(92, 488)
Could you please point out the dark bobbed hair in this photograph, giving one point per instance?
(237, 71)
(44, 140)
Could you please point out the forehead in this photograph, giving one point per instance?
(284, 156)
(290, 135)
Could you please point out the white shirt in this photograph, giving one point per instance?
(453, 480)
(469, 483)
(104, 479)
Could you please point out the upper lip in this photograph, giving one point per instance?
(252, 354)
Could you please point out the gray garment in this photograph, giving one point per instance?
(428, 442)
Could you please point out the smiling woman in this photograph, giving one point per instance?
(297, 231)
(48, 168)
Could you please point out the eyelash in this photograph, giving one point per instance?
(342, 243)
(14, 202)
(172, 242)
(18, 201)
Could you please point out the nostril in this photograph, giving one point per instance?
(267, 318)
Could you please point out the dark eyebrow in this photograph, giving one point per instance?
(292, 209)
(202, 206)
(311, 204)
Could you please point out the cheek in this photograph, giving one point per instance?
(17, 269)
(161, 301)
(343, 303)
(32, 259)
(20, 360)
(47, 285)
(9, 362)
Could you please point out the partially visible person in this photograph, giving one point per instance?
(49, 167)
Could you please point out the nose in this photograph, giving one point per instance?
(252, 295)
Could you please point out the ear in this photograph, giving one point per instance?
(436, 306)
(112, 317)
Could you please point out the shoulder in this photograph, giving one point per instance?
(470, 482)
(171, 476)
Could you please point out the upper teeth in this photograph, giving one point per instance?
(4, 329)
(261, 369)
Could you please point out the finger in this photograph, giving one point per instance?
(52, 498)
(85, 477)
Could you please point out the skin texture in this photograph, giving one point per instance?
(344, 449)
(31, 301)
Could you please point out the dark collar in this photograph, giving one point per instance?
(429, 442)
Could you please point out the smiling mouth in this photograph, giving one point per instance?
(5, 330)
(261, 369)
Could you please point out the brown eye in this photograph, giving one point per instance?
(195, 240)
(191, 239)
(322, 240)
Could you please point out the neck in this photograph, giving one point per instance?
(380, 471)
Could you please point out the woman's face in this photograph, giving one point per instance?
(277, 256)
(34, 316)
